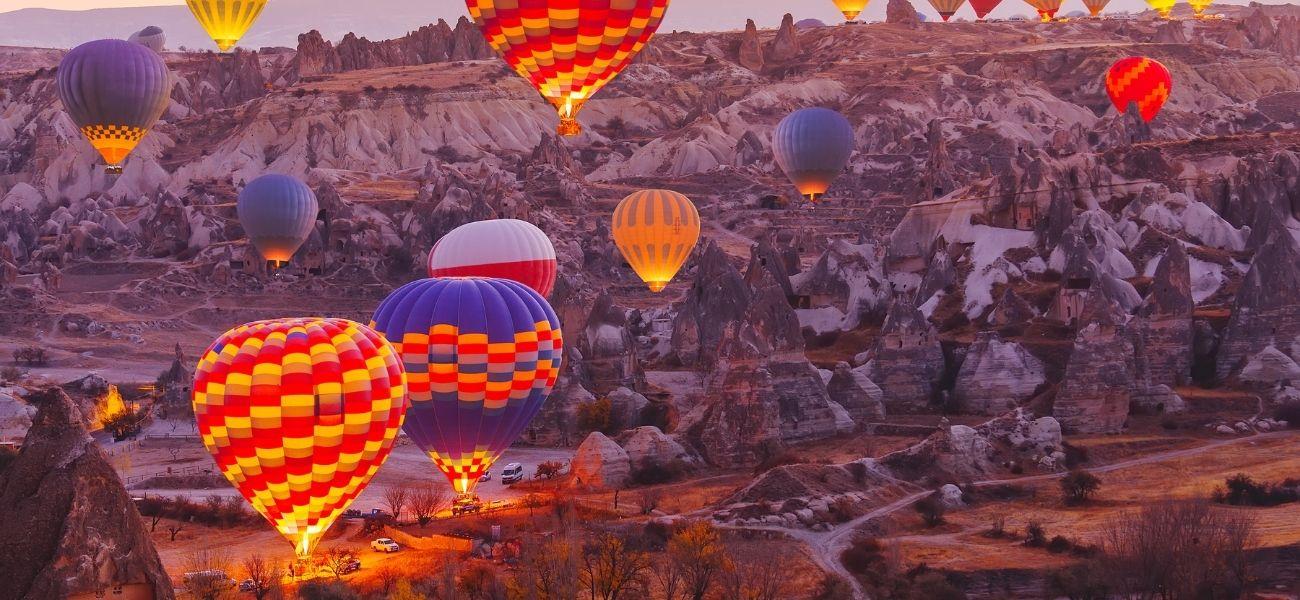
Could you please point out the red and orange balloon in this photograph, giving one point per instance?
(1140, 80)
(568, 49)
(299, 414)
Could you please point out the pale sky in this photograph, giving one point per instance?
(6, 5)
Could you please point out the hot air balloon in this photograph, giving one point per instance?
(114, 91)
(151, 37)
(226, 21)
(481, 356)
(505, 248)
(1095, 6)
(851, 8)
(1046, 8)
(984, 7)
(568, 49)
(1199, 6)
(812, 146)
(656, 230)
(1141, 80)
(277, 212)
(1164, 7)
(299, 414)
(946, 8)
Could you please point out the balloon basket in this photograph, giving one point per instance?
(113, 170)
(568, 127)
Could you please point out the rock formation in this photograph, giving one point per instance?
(70, 526)
(608, 348)
(1266, 311)
(1095, 393)
(751, 48)
(785, 46)
(600, 463)
(1162, 333)
(852, 389)
(907, 362)
(901, 12)
(648, 445)
(428, 44)
(996, 376)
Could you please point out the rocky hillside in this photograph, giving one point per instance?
(1003, 239)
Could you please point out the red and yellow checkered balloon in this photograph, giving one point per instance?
(299, 414)
(1139, 79)
(568, 49)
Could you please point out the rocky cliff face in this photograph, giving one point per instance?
(1266, 312)
(1095, 393)
(907, 362)
(996, 376)
(70, 524)
(429, 44)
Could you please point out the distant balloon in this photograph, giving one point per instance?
(1095, 6)
(812, 146)
(226, 21)
(803, 24)
(299, 414)
(1046, 8)
(656, 230)
(1140, 80)
(151, 37)
(851, 8)
(1199, 6)
(1074, 14)
(1163, 7)
(568, 49)
(481, 357)
(946, 8)
(984, 7)
(114, 91)
(505, 248)
(278, 213)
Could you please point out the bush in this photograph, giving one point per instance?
(777, 458)
(596, 415)
(1289, 412)
(998, 529)
(1035, 535)
(1082, 581)
(861, 555)
(326, 590)
(1059, 544)
(832, 588)
(549, 470)
(843, 509)
(1242, 490)
(931, 509)
(124, 425)
(11, 374)
(1074, 455)
(32, 356)
(652, 472)
(1079, 485)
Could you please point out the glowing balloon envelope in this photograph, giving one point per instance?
(277, 212)
(1095, 6)
(504, 248)
(114, 91)
(946, 8)
(656, 231)
(481, 356)
(299, 414)
(226, 21)
(1046, 8)
(568, 49)
(851, 8)
(812, 146)
(1163, 7)
(984, 7)
(1140, 80)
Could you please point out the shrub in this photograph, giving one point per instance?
(652, 471)
(11, 374)
(861, 555)
(1059, 544)
(1035, 535)
(931, 509)
(1016, 469)
(774, 458)
(7, 455)
(998, 529)
(326, 590)
(595, 415)
(1074, 455)
(32, 356)
(124, 425)
(832, 588)
(843, 509)
(1169, 423)
(549, 470)
(1079, 485)
(1289, 412)
(1082, 581)
(1242, 490)
(934, 586)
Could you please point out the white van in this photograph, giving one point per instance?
(513, 473)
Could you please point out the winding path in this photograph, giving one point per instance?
(826, 546)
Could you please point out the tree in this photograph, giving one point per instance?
(550, 570)
(752, 576)
(596, 415)
(395, 499)
(479, 581)
(648, 501)
(1079, 485)
(402, 590)
(175, 527)
(549, 469)
(207, 579)
(336, 561)
(426, 501)
(696, 551)
(1180, 549)
(611, 569)
(931, 509)
(124, 424)
(265, 575)
(1082, 581)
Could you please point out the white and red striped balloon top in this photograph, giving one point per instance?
(503, 248)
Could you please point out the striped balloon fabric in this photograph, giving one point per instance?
(812, 146)
(481, 356)
(1046, 8)
(226, 21)
(946, 8)
(851, 8)
(299, 414)
(568, 49)
(656, 230)
(503, 248)
(984, 7)
(1163, 7)
(1095, 6)
(114, 91)
(1140, 80)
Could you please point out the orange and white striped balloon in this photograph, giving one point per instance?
(656, 230)
(299, 414)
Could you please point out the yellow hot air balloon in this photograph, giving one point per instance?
(656, 230)
(226, 20)
(1164, 7)
(1199, 6)
(851, 8)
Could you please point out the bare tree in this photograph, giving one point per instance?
(611, 569)
(696, 551)
(396, 499)
(206, 577)
(1180, 549)
(752, 575)
(388, 578)
(336, 561)
(549, 570)
(648, 501)
(175, 527)
(264, 575)
(669, 579)
(426, 501)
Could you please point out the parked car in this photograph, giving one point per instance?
(466, 504)
(513, 473)
(374, 513)
(210, 578)
(487, 475)
(385, 545)
(351, 565)
(248, 585)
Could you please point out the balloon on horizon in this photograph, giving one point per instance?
(299, 414)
